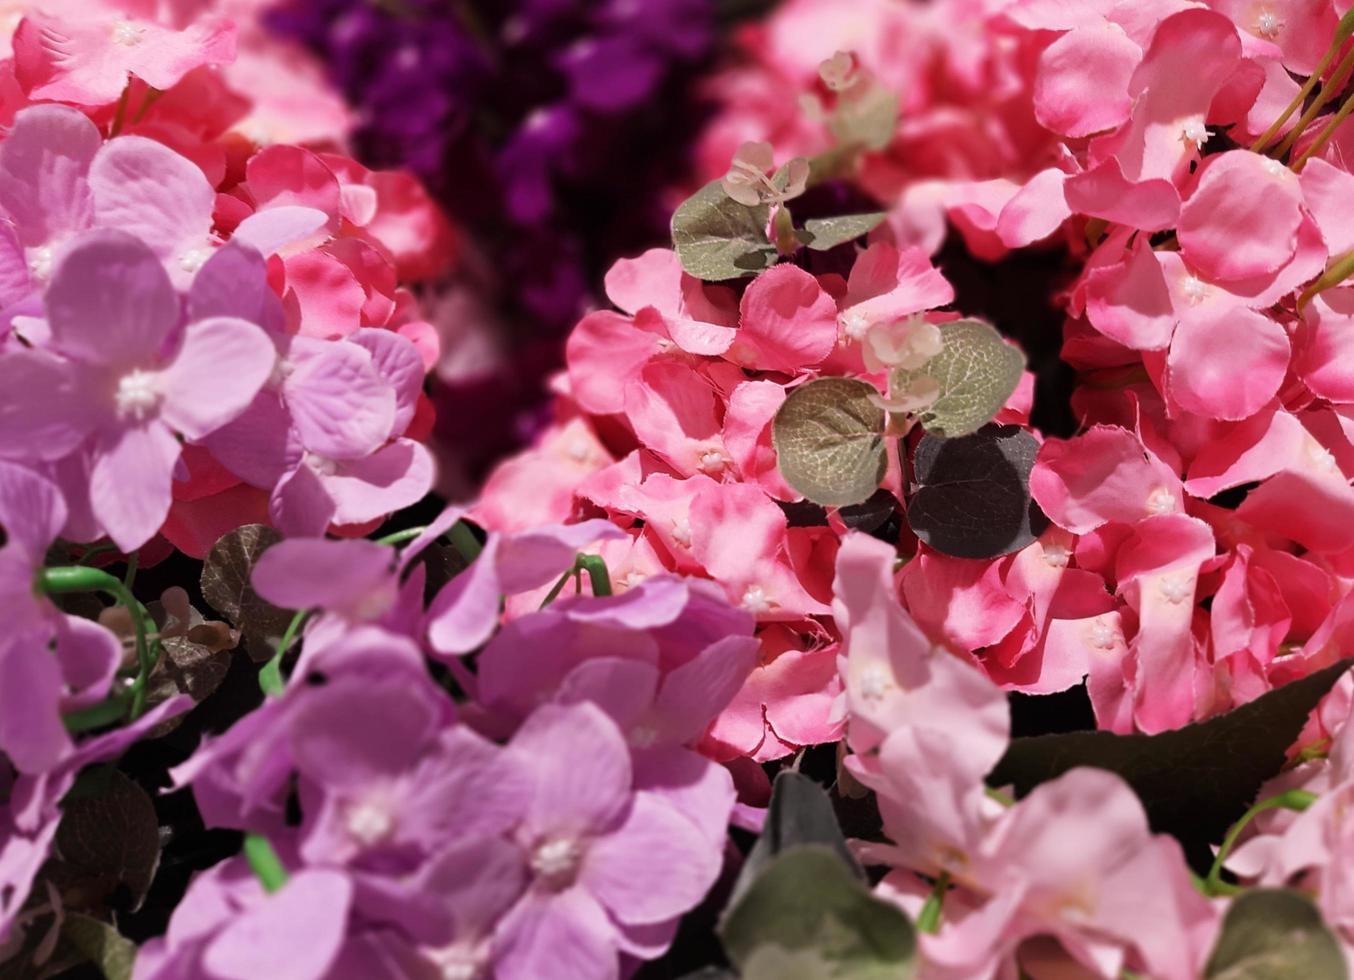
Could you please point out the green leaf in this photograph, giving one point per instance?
(974, 496)
(717, 238)
(800, 813)
(829, 439)
(1275, 934)
(809, 909)
(225, 584)
(1194, 782)
(976, 370)
(100, 944)
(822, 234)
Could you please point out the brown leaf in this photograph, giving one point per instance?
(225, 584)
(109, 837)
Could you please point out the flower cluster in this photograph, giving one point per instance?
(667, 430)
(791, 555)
(200, 331)
(533, 125)
(550, 820)
(1053, 881)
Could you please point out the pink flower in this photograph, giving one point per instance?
(138, 377)
(88, 61)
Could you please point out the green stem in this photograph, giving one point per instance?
(264, 862)
(558, 587)
(121, 111)
(1339, 270)
(129, 577)
(93, 551)
(1324, 136)
(1308, 87)
(1328, 92)
(96, 715)
(77, 578)
(928, 920)
(996, 794)
(596, 570)
(151, 95)
(270, 674)
(597, 573)
(1294, 799)
(464, 541)
(401, 537)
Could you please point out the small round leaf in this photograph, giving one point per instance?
(829, 439)
(977, 371)
(808, 901)
(1274, 934)
(717, 238)
(974, 499)
(822, 234)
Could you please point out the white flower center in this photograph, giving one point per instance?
(855, 325)
(1276, 169)
(127, 34)
(1104, 636)
(643, 736)
(712, 462)
(1161, 501)
(1268, 24)
(282, 369)
(368, 821)
(1194, 131)
(578, 450)
(1322, 456)
(1195, 290)
(322, 465)
(138, 395)
(1056, 555)
(756, 601)
(1176, 589)
(874, 684)
(462, 960)
(631, 579)
(556, 861)
(681, 532)
(40, 262)
(192, 260)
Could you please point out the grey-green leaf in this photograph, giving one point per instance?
(976, 370)
(808, 909)
(1275, 934)
(822, 234)
(868, 119)
(829, 439)
(101, 944)
(717, 238)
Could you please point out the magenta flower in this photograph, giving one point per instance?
(132, 378)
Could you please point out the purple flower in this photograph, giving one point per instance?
(607, 861)
(121, 375)
(41, 679)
